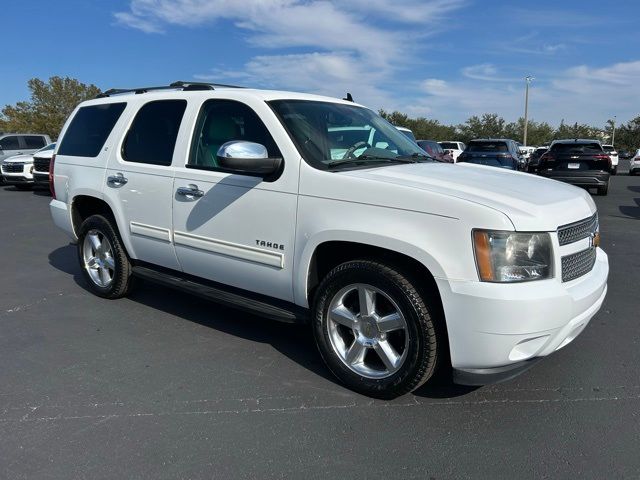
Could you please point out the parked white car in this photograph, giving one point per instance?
(634, 164)
(41, 161)
(454, 148)
(402, 265)
(407, 132)
(613, 153)
(18, 171)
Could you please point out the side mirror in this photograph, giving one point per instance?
(247, 158)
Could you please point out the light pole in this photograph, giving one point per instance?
(613, 134)
(527, 79)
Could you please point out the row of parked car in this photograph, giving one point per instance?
(25, 159)
(583, 162)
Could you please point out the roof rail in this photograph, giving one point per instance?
(184, 86)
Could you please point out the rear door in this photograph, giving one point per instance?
(139, 180)
(10, 145)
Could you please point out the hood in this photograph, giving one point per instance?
(532, 203)
(47, 154)
(24, 158)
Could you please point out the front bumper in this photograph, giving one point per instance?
(584, 178)
(16, 180)
(497, 330)
(40, 178)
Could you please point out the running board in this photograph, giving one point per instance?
(278, 310)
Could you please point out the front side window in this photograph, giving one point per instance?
(10, 143)
(89, 129)
(34, 141)
(153, 133)
(222, 121)
(333, 135)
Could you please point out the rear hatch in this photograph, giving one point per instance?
(491, 153)
(575, 157)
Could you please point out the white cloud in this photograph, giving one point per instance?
(487, 72)
(578, 94)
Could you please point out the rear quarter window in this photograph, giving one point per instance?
(89, 129)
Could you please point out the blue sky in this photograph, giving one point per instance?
(442, 59)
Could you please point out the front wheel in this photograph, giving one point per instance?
(614, 170)
(103, 259)
(374, 330)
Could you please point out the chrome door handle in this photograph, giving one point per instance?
(116, 180)
(191, 191)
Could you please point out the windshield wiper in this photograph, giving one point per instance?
(366, 159)
(415, 156)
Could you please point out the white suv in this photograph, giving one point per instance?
(613, 153)
(402, 265)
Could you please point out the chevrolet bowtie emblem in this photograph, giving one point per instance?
(594, 239)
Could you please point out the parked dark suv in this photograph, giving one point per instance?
(494, 152)
(534, 159)
(580, 162)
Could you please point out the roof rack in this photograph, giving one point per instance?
(184, 86)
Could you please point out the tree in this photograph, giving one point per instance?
(490, 125)
(51, 103)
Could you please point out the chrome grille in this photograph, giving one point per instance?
(573, 232)
(41, 164)
(12, 167)
(578, 264)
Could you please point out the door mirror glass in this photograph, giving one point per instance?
(248, 158)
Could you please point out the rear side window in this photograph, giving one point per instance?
(576, 148)
(153, 133)
(487, 147)
(449, 145)
(34, 141)
(89, 129)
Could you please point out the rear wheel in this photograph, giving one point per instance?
(603, 189)
(103, 259)
(374, 330)
(614, 170)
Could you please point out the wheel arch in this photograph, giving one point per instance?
(83, 206)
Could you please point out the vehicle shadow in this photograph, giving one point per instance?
(634, 188)
(630, 211)
(41, 191)
(294, 341)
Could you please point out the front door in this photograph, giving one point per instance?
(235, 229)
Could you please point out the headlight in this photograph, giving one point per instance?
(513, 257)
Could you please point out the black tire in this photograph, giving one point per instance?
(423, 342)
(603, 190)
(614, 170)
(632, 172)
(122, 280)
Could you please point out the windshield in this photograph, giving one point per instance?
(608, 148)
(51, 146)
(332, 135)
(449, 145)
(408, 133)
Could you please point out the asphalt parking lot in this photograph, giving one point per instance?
(165, 385)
